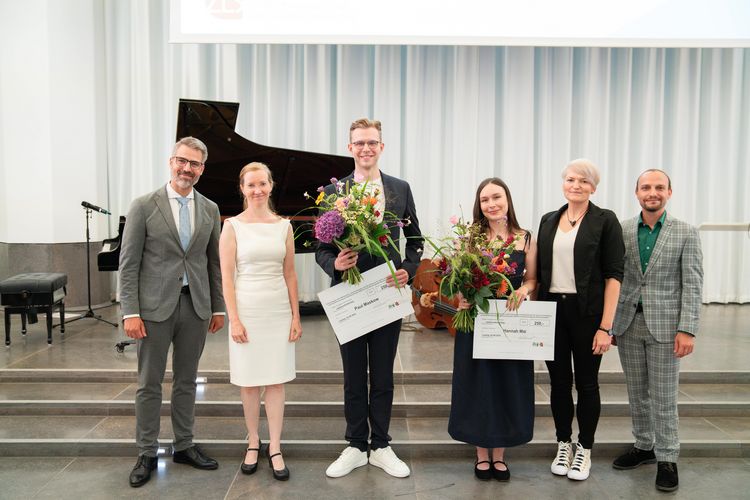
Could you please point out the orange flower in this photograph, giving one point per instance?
(499, 263)
(502, 290)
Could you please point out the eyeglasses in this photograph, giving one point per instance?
(361, 144)
(184, 162)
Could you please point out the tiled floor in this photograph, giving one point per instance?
(105, 478)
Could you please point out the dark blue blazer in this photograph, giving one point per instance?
(398, 201)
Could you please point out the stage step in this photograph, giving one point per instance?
(336, 377)
(90, 413)
(326, 400)
(322, 436)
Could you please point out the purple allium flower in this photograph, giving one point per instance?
(321, 189)
(329, 226)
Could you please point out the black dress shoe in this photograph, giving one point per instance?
(633, 458)
(195, 457)
(500, 475)
(279, 474)
(483, 475)
(141, 473)
(666, 476)
(251, 468)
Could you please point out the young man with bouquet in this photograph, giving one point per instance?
(368, 412)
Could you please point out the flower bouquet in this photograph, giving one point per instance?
(350, 219)
(479, 269)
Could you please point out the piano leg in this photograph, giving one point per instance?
(23, 323)
(62, 316)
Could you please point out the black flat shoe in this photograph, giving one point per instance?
(194, 456)
(501, 475)
(251, 468)
(483, 475)
(141, 473)
(281, 475)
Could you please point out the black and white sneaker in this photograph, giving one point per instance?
(581, 466)
(561, 463)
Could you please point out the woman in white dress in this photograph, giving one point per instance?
(260, 290)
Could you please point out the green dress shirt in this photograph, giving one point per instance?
(647, 239)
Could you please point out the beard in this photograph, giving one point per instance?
(655, 208)
(185, 183)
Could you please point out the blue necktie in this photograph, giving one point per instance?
(184, 228)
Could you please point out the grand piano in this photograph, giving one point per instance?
(294, 172)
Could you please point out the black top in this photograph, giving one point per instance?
(599, 254)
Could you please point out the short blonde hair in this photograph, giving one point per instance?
(255, 166)
(365, 123)
(585, 168)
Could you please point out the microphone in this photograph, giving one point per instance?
(86, 204)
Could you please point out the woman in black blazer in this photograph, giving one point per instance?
(580, 266)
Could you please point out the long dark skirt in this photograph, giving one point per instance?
(492, 401)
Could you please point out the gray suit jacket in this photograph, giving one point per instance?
(672, 285)
(152, 260)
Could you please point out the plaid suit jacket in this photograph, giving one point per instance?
(671, 287)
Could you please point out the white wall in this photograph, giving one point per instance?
(52, 120)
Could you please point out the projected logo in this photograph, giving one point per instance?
(225, 9)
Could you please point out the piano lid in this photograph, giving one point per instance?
(294, 172)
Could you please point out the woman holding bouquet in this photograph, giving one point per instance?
(260, 290)
(492, 401)
(581, 260)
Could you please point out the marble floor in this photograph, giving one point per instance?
(438, 478)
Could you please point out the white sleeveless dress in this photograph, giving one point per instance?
(263, 306)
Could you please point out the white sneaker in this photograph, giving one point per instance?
(581, 464)
(387, 460)
(350, 459)
(561, 463)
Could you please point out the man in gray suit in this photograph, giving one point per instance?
(656, 322)
(170, 294)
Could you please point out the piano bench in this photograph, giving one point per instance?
(28, 293)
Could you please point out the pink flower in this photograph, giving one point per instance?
(454, 219)
(358, 178)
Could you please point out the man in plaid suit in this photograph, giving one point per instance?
(656, 322)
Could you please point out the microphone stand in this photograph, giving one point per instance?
(90, 312)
